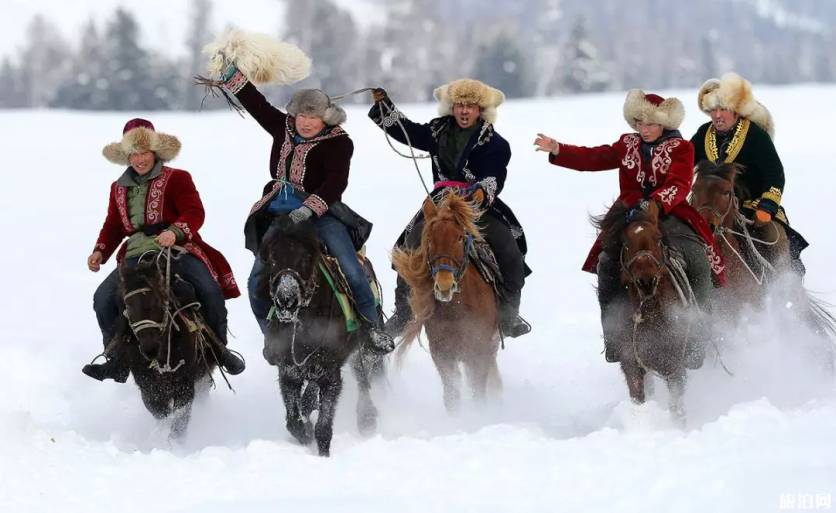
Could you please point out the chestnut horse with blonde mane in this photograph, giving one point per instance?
(450, 299)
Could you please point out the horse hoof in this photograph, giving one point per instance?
(367, 426)
(302, 432)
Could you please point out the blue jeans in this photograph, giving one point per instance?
(108, 304)
(335, 236)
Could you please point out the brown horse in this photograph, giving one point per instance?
(450, 299)
(754, 257)
(655, 320)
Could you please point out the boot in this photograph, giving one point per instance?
(396, 324)
(184, 291)
(113, 369)
(231, 362)
(510, 322)
(377, 340)
(609, 290)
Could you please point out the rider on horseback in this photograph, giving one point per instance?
(468, 155)
(155, 205)
(741, 130)
(309, 164)
(656, 168)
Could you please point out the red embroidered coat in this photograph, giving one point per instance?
(171, 199)
(669, 174)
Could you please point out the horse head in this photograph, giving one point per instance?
(635, 236)
(449, 233)
(146, 307)
(291, 252)
(715, 192)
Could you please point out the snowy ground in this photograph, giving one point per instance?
(565, 439)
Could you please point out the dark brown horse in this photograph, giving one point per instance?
(754, 257)
(655, 321)
(169, 359)
(451, 301)
(308, 340)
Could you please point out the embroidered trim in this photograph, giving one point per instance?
(468, 174)
(436, 127)
(669, 194)
(715, 260)
(441, 176)
(316, 204)
(154, 207)
(228, 282)
(281, 165)
(185, 229)
(392, 118)
(236, 82)
(662, 160)
(517, 232)
(489, 185)
(632, 157)
(735, 146)
(773, 194)
(487, 128)
(266, 199)
(122, 206)
(297, 165)
(100, 246)
(781, 215)
(198, 252)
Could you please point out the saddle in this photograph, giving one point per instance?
(330, 268)
(484, 261)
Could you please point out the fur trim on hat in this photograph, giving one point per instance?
(669, 113)
(734, 93)
(139, 140)
(260, 57)
(466, 90)
(314, 102)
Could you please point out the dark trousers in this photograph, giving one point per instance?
(108, 304)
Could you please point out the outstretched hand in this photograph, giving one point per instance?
(378, 94)
(544, 143)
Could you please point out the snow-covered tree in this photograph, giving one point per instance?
(583, 71)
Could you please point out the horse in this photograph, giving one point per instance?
(751, 262)
(308, 340)
(656, 320)
(169, 356)
(451, 301)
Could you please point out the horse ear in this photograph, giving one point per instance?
(429, 209)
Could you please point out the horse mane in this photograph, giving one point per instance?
(412, 264)
(285, 229)
(728, 171)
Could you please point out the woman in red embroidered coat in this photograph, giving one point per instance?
(155, 205)
(656, 169)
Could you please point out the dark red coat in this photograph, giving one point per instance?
(670, 175)
(172, 199)
(318, 167)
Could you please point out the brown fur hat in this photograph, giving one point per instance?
(466, 90)
(652, 108)
(139, 136)
(734, 93)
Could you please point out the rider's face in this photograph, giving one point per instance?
(466, 114)
(309, 126)
(649, 131)
(142, 162)
(723, 119)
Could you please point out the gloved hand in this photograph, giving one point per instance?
(301, 214)
(229, 68)
(762, 217)
(474, 192)
(379, 94)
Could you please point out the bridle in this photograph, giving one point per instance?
(661, 265)
(458, 268)
(304, 290)
(733, 204)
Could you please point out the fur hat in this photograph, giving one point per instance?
(260, 57)
(314, 102)
(734, 93)
(652, 108)
(139, 136)
(466, 90)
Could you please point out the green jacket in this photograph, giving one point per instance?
(137, 193)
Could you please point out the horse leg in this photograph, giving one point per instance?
(309, 400)
(676, 390)
(477, 369)
(366, 410)
(634, 375)
(450, 377)
(291, 392)
(329, 393)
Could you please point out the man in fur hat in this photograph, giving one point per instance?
(741, 130)
(309, 166)
(656, 169)
(467, 153)
(154, 205)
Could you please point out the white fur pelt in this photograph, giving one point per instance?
(260, 57)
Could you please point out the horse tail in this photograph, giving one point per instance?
(412, 332)
(818, 316)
